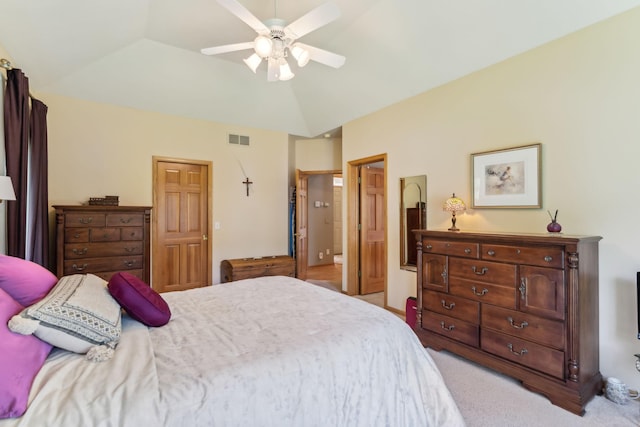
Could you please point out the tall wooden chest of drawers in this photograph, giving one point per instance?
(246, 268)
(524, 305)
(103, 240)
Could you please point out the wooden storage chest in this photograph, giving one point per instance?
(103, 240)
(525, 305)
(246, 268)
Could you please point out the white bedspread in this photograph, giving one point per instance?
(273, 351)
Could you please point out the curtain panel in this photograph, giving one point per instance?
(26, 131)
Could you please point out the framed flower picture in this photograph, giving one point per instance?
(507, 178)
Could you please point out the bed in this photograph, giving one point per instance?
(271, 351)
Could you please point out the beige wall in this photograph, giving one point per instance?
(580, 97)
(97, 150)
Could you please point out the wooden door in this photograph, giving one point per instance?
(372, 219)
(181, 246)
(302, 182)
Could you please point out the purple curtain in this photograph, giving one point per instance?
(26, 130)
(39, 194)
(16, 134)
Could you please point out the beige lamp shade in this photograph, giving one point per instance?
(6, 189)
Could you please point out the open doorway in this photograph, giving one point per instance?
(366, 227)
(318, 222)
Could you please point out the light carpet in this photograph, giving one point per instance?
(487, 398)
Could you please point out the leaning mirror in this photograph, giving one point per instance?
(413, 216)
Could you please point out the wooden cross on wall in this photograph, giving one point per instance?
(247, 183)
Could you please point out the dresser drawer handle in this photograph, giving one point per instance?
(84, 267)
(428, 247)
(130, 250)
(523, 287)
(482, 272)
(447, 328)
(79, 251)
(76, 236)
(125, 220)
(85, 220)
(480, 294)
(129, 263)
(517, 353)
(467, 251)
(448, 307)
(520, 326)
(491, 253)
(548, 258)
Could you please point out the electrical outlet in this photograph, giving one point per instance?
(320, 255)
(328, 252)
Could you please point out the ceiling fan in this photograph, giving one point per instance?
(276, 40)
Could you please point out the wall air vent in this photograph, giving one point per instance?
(238, 139)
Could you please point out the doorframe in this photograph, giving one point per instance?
(154, 212)
(353, 215)
(299, 175)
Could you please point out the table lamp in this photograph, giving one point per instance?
(453, 204)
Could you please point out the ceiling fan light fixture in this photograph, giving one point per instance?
(263, 46)
(253, 62)
(285, 70)
(301, 55)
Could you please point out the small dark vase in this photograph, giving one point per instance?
(554, 227)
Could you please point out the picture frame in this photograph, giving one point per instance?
(507, 178)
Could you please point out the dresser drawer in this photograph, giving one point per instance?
(106, 275)
(484, 271)
(93, 250)
(524, 325)
(88, 219)
(503, 296)
(446, 247)
(452, 305)
(92, 265)
(125, 220)
(535, 356)
(532, 255)
(73, 235)
(450, 327)
(104, 234)
(132, 233)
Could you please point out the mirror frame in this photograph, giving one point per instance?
(413, 214)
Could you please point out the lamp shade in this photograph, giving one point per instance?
(285, 70)
(263, 46)
(454, 204)
(301, 55)
(253, 61)
(6, 189)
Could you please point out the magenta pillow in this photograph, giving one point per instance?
(21, 358)
(139, 300)
(26, 281)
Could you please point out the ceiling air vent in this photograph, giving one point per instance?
(238, 139)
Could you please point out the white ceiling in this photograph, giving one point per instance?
(145, 54)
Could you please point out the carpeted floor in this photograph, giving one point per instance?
(489, 399)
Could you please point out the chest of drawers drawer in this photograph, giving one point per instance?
(450, 327)
(92, 250)
(526, 353)
(483, 271)
(452, 305)
(504, 296)
(537, 255)
(524, 325)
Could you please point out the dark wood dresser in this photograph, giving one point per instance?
(525, 305)
(103, 240)
(247, 268)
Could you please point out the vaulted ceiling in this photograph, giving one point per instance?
(145, 54)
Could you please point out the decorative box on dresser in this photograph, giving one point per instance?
(525, 305)
(103, 240)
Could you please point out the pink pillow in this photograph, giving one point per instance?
(21, 358)
(139, 300)
(26, 281)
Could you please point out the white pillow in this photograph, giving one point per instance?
(78, 315)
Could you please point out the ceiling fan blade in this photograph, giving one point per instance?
(324, 56)
(272, 70)
(313, 20)
(243, 13)
(226, 48)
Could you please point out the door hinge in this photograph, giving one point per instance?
(359, 227)
(359, 273)
(359, 180)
